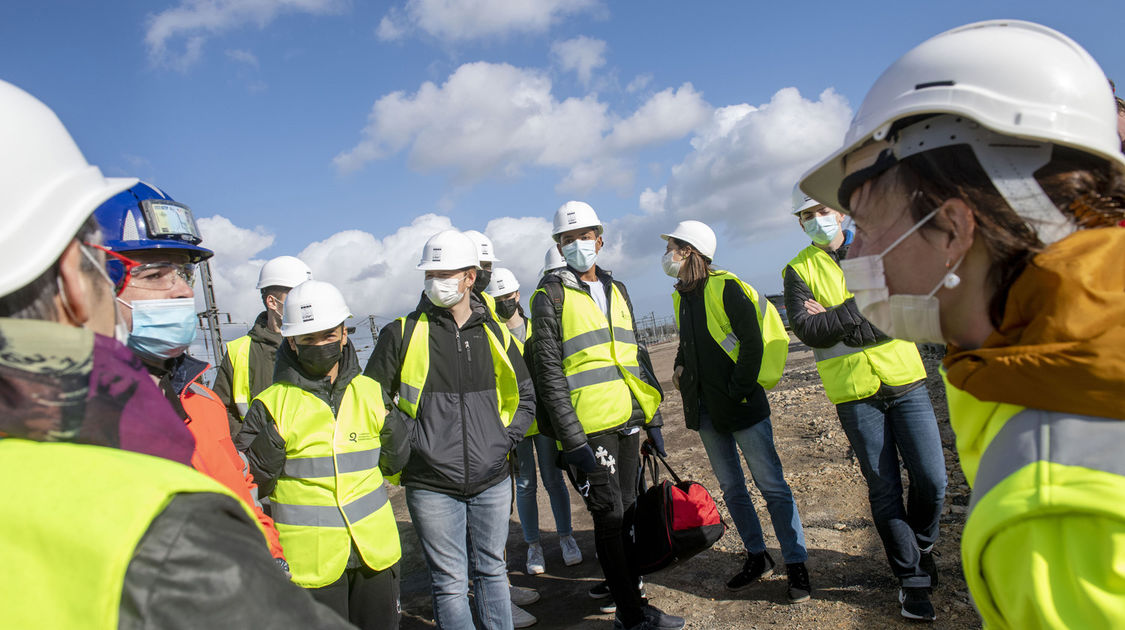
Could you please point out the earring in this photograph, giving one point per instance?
(951, 280)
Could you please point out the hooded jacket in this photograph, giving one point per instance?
(201, 562)
(557, 417)
(263, 353)
(458, 446)
(263, 444)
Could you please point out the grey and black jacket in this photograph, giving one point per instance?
(264, 446)
(842, 322)
(557, 417)
(263, 354)
(458, 445)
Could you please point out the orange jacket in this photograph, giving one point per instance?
(215, 455)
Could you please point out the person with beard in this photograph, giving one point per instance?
(462, 380)
(320, 440)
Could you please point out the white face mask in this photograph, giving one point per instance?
(671, 266)
(822, 229)
(911, 317)
(444, 292)
(581, 254)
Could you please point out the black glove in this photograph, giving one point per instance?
(655, 441)
(582, 458)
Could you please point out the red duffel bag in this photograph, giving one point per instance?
(670, 522)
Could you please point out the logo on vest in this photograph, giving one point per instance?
(359, 437)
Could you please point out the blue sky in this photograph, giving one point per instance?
(346, 132)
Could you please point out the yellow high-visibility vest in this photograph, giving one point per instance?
(331, 493)
(853, 373)
(600, 361)
(1042, 482)
(775, 341)
(239, 353)
(70, 521)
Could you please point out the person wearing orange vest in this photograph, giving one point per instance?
(247, 367)
(156, 243)
(319, 441)
(722, 368)
(878, 385)
(102, 523)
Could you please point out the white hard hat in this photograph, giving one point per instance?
(1015, 79)
(553, 259)
(449, 250)
(697, 234)
(802, 201)
(485, 251)
(573, 215)
(49, 189)
(283, 271)
(503, 282)
(313, 306)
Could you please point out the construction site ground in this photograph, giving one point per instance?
(852, 583)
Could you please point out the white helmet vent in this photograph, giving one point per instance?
(129, 230)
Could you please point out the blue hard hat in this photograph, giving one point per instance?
(145, 218)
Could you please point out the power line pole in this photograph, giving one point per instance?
(374, 330)
(211, 312)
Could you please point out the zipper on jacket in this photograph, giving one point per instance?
(461, 399)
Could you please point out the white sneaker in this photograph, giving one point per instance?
(521, 596)
(572, 555)
(535, 562)
(521, 618)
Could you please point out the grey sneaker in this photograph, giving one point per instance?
(535, 563)
(521, 618)
(572, 555)
(522, 596)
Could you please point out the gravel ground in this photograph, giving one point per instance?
(852, 583)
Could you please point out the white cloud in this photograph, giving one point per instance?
(520, 245)
(580, 55)
(192, 22)
(463, 20)
(243, 56)
(638, 83)
(489, 120)
(234, 268)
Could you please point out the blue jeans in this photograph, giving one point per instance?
(552, 481)
(757, 447)
(444, 524)
(880, 430)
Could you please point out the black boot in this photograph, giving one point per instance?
(756, 567)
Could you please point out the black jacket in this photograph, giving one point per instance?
(263, 353)
(557, 417)
(264, 446)
(458, 445)
(842, 322)
(709, 374)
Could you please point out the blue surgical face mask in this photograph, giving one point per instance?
(581, 254)
(822, 229)
(162, 329)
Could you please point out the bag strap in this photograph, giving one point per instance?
(665, 462)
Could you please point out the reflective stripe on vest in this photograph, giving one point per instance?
(239, 353)
(416, 369)
(1040, 466)
(775, 340)
(331, 493)
(67, 535)
(839, 350)
(600, 360)
(853, 375)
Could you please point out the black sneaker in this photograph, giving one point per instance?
(927, 564)
(611, 606)
(756, 567)
(799, 588)
(916, 604)
(655, 619)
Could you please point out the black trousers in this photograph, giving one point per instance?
(608, 493)
(365, 597)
